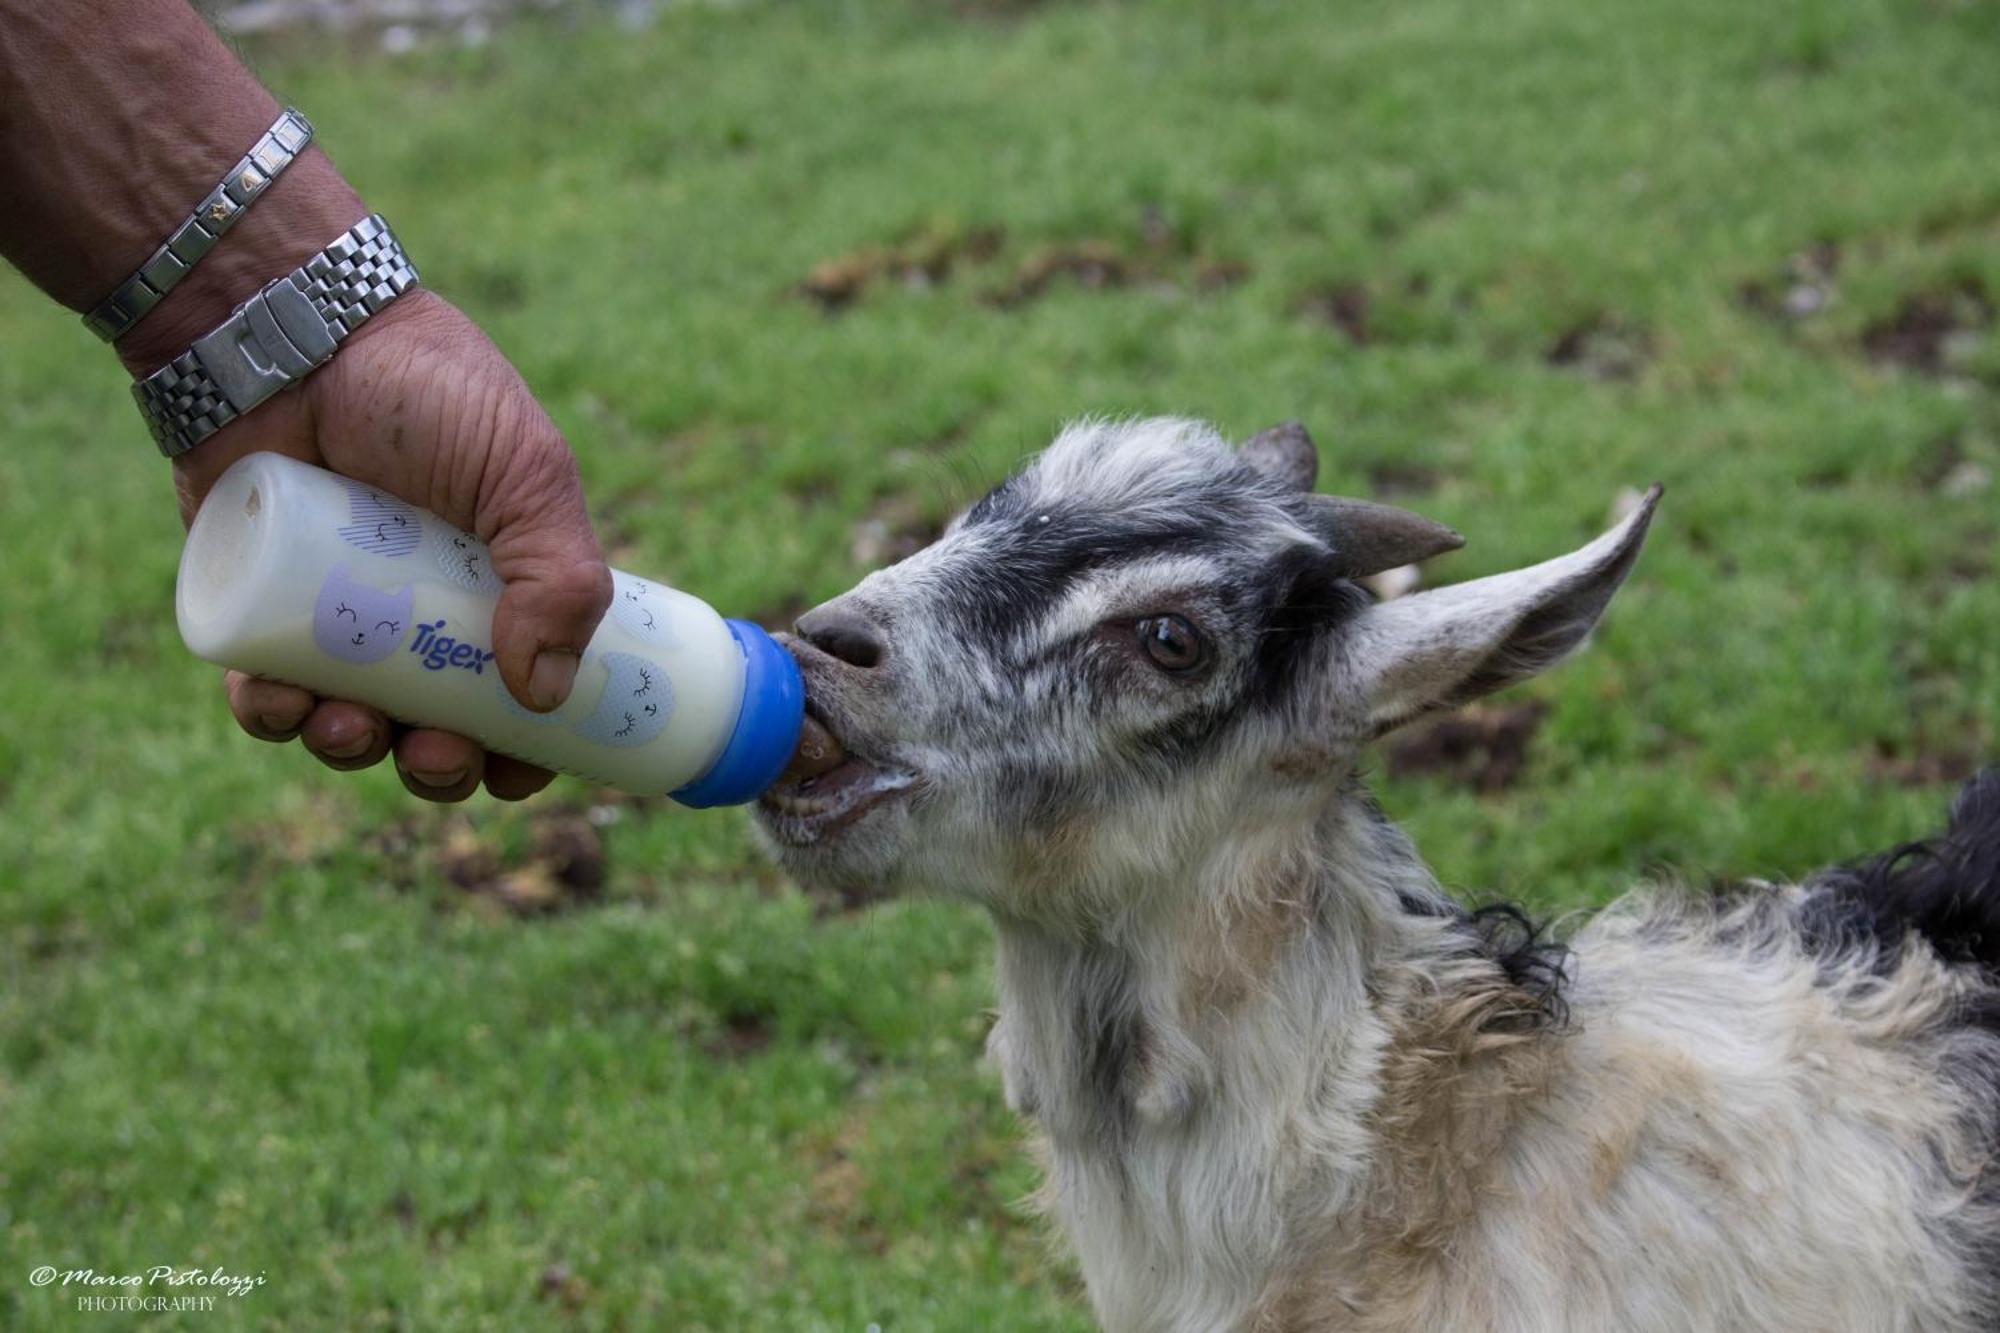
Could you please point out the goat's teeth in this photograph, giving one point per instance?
(810, 815)
(798, 805)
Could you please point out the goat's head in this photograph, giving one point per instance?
(1141, 647)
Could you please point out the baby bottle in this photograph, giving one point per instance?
(298, 575)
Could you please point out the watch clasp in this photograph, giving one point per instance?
(271, 340)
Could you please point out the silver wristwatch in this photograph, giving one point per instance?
(275, 338)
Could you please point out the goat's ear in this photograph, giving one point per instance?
(1443, 648)
(1285, 454)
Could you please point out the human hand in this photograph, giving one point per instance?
(121, 114)
(419, 403)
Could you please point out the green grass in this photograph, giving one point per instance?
(246, 1021)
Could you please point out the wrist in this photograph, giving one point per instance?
(300, 212)
(116, 118)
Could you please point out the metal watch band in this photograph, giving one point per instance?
(275, 338)
(285, 140)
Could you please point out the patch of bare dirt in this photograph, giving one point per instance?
(559, 865)
(1805, 286)
(923, 259)
(1975, 563)
(1163, 255)
(1093, 265)
(1931, 330)
(1167, 256)
(560, 1284)
(1212, 275)
(563, 867)
(1484, 746)
(1922, 765)
(302, 831)
(741, 1036)
(1603, 347)
(1343, 306)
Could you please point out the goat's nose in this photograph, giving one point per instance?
(844, 633)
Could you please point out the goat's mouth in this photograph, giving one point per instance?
(826, 789)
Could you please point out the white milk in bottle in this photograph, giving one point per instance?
(295, 574)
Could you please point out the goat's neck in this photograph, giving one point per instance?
(1132, 1020)
(1222, 1030)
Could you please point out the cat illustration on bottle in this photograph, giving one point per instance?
(361, 624)
(464, 560)
(378, 522)
(633, 707)
(640, 608)
(357, 623)
(637, 700)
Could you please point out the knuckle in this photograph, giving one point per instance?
(588, 583)
(535, 475)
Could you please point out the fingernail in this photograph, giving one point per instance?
(271, 722)
(441, 780)
(552, 676)
(353, 749)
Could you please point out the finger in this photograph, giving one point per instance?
(346, 736)
(557, 586)
(438, 765)
(510, 779)
(264, 708)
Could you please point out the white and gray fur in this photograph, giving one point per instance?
(1280, 1080)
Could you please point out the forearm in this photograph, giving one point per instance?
(116, 117)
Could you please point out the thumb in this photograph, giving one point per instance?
(531, 515)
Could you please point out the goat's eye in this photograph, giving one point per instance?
(1172, 643)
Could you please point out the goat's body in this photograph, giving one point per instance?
(1731, 1136)
(1746, 1122)
(1285, 1085)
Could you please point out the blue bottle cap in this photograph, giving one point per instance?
(767, 726)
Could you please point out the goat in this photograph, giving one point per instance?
(1282, 1082)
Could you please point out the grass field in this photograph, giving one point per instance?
(798, 279)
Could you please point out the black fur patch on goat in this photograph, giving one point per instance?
(1533, 961)
(1945, 890)
(1040, 544)
(1112, 1038)
(1311, 600)
(1035, 557)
